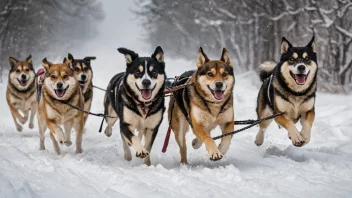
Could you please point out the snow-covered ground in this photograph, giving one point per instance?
(322, 168)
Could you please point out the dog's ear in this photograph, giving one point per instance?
(201, 58)
(12, 62)
(225, 57)
(89, 58)
(285, 45)
(46, 64)
(158, 54)
(64, 61)
(311, 44)
(29, 59)
(69, 59)
(130, 55)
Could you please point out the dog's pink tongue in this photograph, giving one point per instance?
(146, 93)
(219, 94)
(301, 79)
(60, 92)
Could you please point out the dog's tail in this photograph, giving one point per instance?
(266, 69)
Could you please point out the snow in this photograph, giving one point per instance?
(322, 168)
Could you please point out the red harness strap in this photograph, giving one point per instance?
(168, 132)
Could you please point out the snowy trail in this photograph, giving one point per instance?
(322, 168)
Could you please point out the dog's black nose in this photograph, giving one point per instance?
(59, 85)
(146, 83)
(23, 77)
(301, 68)
(83, 77)
(218, 85)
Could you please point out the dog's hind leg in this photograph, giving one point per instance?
(68, 130)
(226, 141)
(180, 127)
(110, 121)
(150, 135)
(25, 116)
(55, 144)
(127, 151)
(259, 139)
(31, 118)
(196, 143)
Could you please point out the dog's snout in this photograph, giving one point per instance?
(23, 77)
(301, 68)
(59, 85)
(83, 77)
(218, 85)
(146, 83)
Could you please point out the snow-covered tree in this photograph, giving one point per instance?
(45, 27)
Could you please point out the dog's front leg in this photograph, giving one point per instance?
(33, 112)
(78, 126)
(307, 120)
(150, 135)
(133, 140)
(25, 116)
(202, 134)
(56, 134)
(293, 133)
(15, 114)
(68, 129)
(226, 141)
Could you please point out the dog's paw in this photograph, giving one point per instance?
(108, 131)
(306, 136)
(215, 155)
(19, 128)
(79, 150)
(42, 148)
(23, 120)
(259, 139)
(127, 156)
(142, 153)
(59, 136)
(31, 125)
(68, 142)
(297, 139)
(196, 143)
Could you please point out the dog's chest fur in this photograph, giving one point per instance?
(211, 114)
(58, 111)
(22, 99)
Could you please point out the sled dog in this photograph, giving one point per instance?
(289, 86)
(207, 103)
(84, 75)
(136, 98)
(60, 86)
(21, 92)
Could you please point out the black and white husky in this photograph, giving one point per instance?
(136, 97)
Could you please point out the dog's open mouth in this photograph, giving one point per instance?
(60, 92)
(23, 82)
(146, 93)
(300, 79)
(82, 84)
(218, 94)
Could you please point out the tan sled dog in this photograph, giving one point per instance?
(60, 85)
(205, 105)
(21, 91)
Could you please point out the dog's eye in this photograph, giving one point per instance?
(18, 71)
(85, 69)
(224, 74)
(53, 76)
(137, 73)
(210, 74)
(27, 70)
(307, 59)
(77, 69)
(154, 73)
(65, 76)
